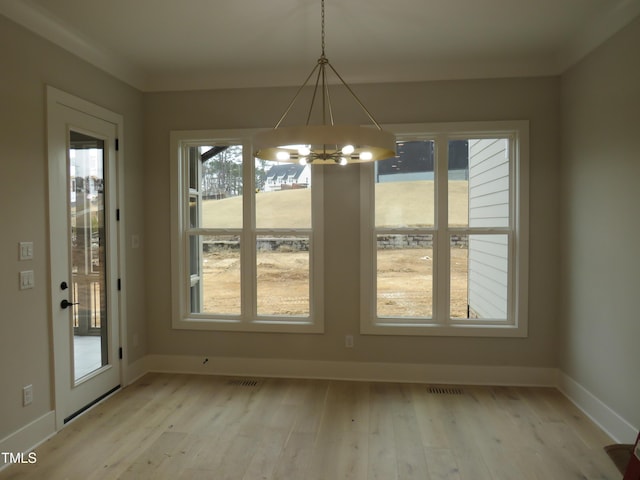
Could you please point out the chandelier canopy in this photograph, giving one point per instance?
(326, 143)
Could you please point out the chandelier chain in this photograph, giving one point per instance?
(322, 25)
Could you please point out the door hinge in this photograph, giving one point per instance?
(119, 284)
(120, 353)
(117, 214)
(117, 144)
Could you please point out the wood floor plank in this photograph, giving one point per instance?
(382, 457)
(410, 455)
(196, 427)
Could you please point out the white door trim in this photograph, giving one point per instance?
(56, 97)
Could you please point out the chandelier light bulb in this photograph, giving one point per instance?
(283, 156)
(304, 151)
(348, 149)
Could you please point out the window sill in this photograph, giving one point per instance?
(226, 325)
(451, 330)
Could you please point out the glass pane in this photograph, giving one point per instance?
(404, 275)
(404, 193)
(88, 257)
(219, 283)
(194, 163)
(193, 212)
(283, 275)
(479, 276)
(283, 195)
(221, 186)
(458, 179)
(194, 255)
(479, 182)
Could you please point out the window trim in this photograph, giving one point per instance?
(247, 321)
(441, 324)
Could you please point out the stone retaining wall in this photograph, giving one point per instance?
(296, 244)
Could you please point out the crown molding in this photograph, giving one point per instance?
(43, 24)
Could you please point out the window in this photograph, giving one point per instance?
(445, 232)
(247, 237)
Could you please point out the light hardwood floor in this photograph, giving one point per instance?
(168, 426)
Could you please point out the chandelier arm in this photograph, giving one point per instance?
(324, 95)
(355, 97)
(315, 91)
(295, 97)
(326, 88)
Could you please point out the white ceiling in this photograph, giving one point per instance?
(201, 44)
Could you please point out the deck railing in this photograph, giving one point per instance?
(91, 304)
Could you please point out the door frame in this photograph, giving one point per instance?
(54, 99)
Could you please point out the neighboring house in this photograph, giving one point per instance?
(488, 207)
(287, 176)
(414, 161)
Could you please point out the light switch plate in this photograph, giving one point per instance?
(26, 279)
(26, 250)
(27, 395)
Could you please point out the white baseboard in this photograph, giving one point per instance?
(29, 437)
(367, 371)
(135, 370)
(620, 430)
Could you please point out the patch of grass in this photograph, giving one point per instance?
(396, 206)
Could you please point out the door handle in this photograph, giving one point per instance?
(66, 303)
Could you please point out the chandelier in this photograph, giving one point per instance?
(326, 143)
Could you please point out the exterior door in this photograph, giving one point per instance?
(84, 253)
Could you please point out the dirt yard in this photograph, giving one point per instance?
(405, 286)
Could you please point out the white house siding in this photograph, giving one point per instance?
(488, 207)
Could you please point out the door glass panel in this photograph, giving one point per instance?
(88, 258)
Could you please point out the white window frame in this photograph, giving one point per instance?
(248, 320)
(441, 324)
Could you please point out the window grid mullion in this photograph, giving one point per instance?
(441, 277)
(248, 272)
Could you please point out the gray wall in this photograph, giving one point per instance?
(28, 63)
(600, 346)
(535, 99)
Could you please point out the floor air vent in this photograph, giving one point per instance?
(446, 390)
(243, 382)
